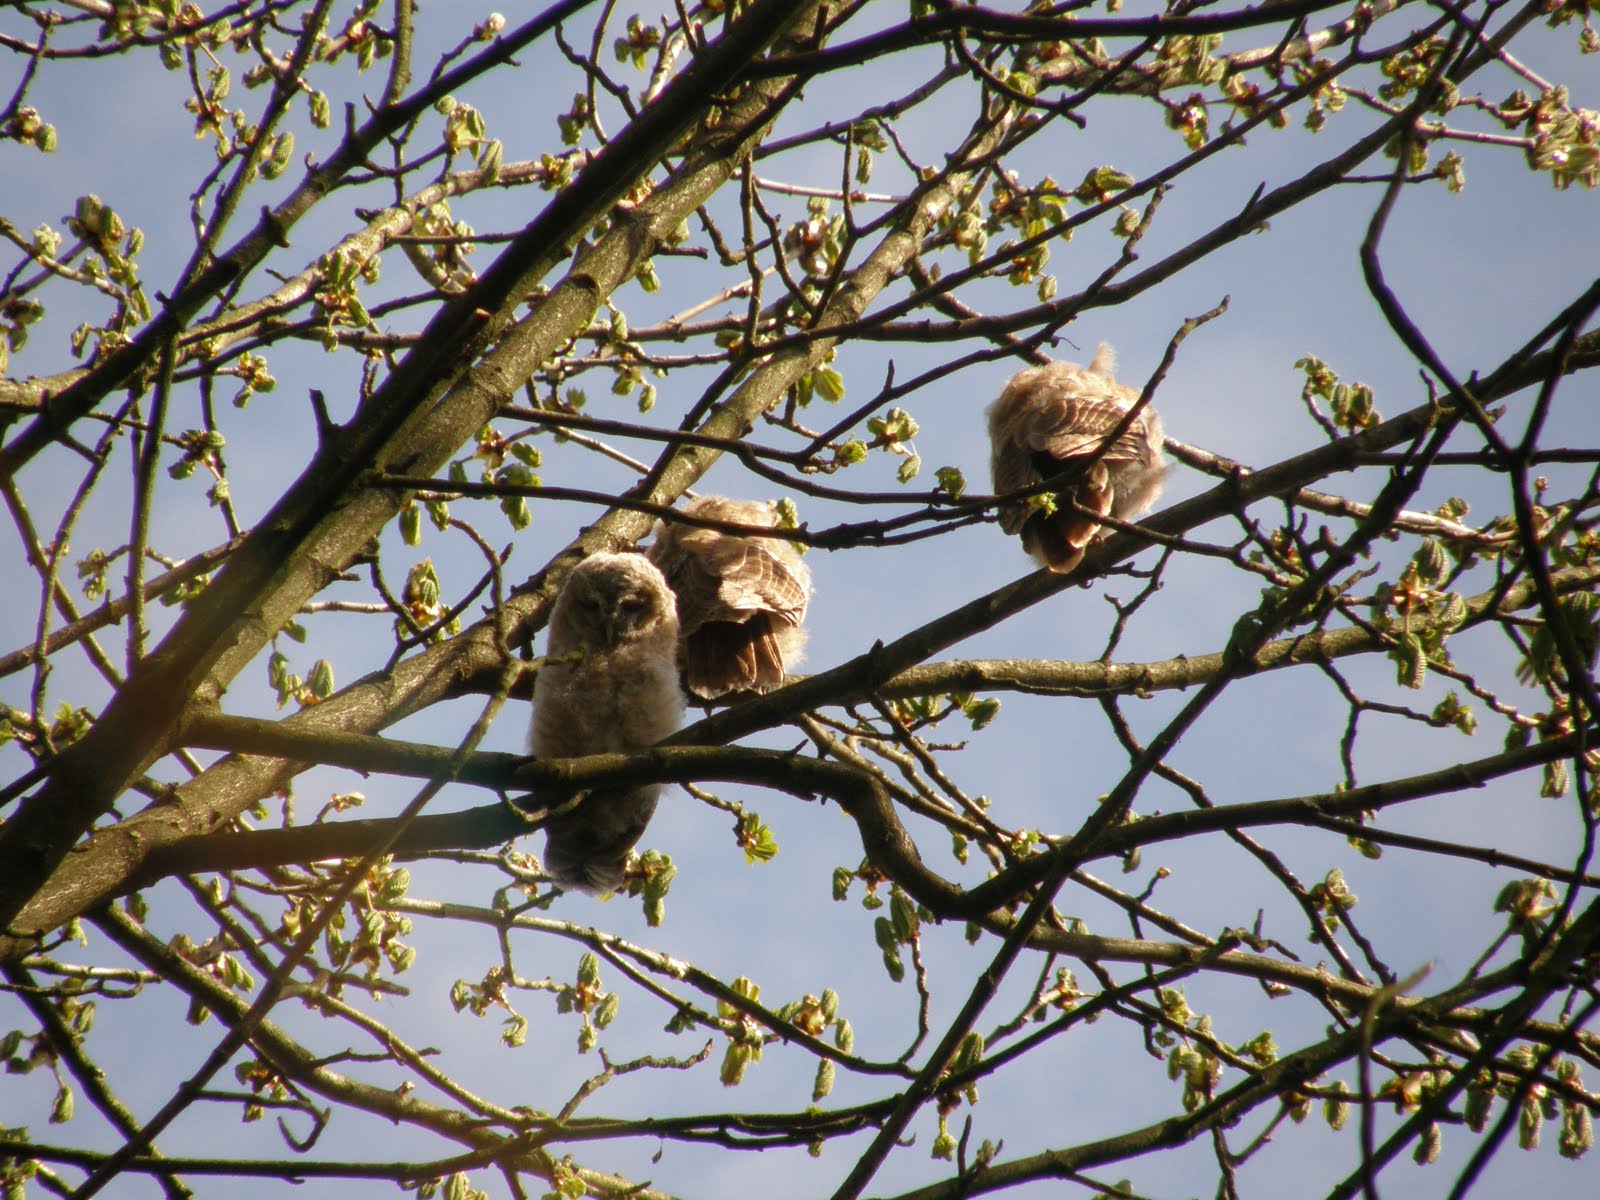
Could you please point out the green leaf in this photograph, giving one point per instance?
(734, 1061)
(411, 524)
(1577, 1130)
(841, 882)
(824, 1081)
(517, 512)
(588, 969)
(981, 712)
(320, 681)
(756, 839)
(969, 1054)
(829, 384)
(883, 933)
(903, 916)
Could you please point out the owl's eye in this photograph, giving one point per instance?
(632, 604)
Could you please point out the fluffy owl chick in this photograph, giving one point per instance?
(741, 600)
(1049, 418)
(610, 686)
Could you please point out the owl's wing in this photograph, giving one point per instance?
(741, 601)
(748, 576)
(1065, 427)
(743, 629)
(1047, 419)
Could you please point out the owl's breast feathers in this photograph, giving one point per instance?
(629, 697)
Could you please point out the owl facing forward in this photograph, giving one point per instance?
(741, 600)
(610, 685)
(1050, 418)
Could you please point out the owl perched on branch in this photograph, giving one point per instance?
(1049, 419)
(609, 685)
(741, 600)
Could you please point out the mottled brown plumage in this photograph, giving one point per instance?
(1049, 418)
(741, 600)
(610, 685)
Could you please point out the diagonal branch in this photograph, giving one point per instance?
(426, 408)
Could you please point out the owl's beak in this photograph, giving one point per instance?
(608, 627)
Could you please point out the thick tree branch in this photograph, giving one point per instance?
(414, 420)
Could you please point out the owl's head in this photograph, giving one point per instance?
(613, 599)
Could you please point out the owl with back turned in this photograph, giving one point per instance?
(609, 685)
(1049, 418)
(741, 599)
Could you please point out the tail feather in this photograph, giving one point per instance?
(588, 848)
(733, 656)
(1058, 540)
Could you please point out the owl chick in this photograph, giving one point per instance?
(610, 686)
(1049, 418)
(741, 600)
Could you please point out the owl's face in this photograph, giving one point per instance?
(613, 599)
